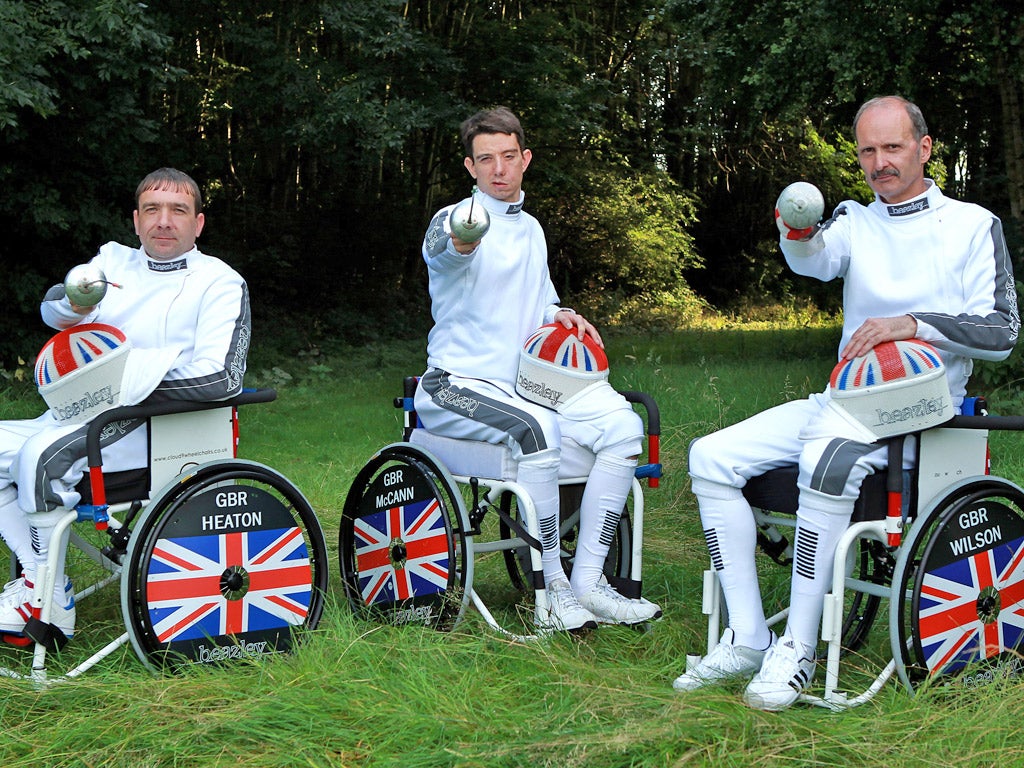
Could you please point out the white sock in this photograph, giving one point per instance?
(731, 536)
(600, 510)
(538, 475)
(41, 525)
(15, 530)
(821, 522)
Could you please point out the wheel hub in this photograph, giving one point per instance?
(989, 604)
(234, 582)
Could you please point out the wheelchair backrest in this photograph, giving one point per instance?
(181, 435)
(947, 455)
(178, 441)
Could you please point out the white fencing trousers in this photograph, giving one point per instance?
(40, 464)
(545, 444)
(46, 460)
(833, 461)
(14, 527)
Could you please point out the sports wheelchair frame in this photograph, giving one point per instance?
(942, 544)
(219, 559)
(412, 526)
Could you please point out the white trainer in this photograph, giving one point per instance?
(610, 607)
(726, 661)
(16, 608)
(565, 614)
(787, 670)
(15, 605)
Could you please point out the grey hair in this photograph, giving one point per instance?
(919, 126)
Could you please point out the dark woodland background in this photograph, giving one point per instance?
(324, 135)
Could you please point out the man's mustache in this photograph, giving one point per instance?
(884, 172)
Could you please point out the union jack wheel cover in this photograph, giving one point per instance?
(967, 610)
(231, 569)
(402, 551)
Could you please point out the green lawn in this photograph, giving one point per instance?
(360, 694)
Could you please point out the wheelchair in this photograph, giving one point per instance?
(219, 560)
(413, 526)
(937, 549)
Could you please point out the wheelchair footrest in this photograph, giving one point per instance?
(47, 635)
(774, 548)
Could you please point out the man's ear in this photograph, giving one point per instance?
(926, 149)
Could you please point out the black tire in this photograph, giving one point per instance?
(228, 563)
(875, 565)
(402, 551)
(962, 567)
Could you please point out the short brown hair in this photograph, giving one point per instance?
(171, 178)
(497, 120)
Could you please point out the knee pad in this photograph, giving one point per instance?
(701, 460)
(46, 519)
(540, 467)
(712, 490)
(623, 435)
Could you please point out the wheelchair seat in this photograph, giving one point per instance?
(121, 487)
(777, 490)
(467, 458)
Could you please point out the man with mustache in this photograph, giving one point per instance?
(915, 265)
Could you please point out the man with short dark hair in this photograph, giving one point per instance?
(487, 298)
(186, 316)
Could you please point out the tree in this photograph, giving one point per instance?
(75, 139)
(325, 135)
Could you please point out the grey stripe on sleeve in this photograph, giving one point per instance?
(992, 336)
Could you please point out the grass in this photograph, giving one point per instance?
(359, 694)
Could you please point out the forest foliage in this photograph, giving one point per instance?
(324, 135)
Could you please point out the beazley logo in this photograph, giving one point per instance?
(421, 614)
(912, 411)
(86, 403)
(241, 650)
(914, 206)
(539, 389)
(457, 401)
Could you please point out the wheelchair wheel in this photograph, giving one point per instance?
(228, 563)
(517, 561)
(962, 572)
(403, 549)
(874, 564)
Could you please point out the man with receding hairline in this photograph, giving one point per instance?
(915, 265)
